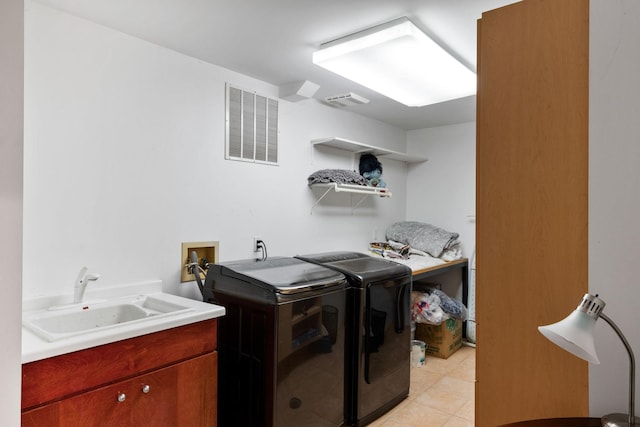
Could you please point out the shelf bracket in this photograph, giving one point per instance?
(360, 202)
(320, 198)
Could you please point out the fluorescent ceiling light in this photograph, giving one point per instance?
(399, 61)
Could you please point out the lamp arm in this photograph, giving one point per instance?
(632, 367)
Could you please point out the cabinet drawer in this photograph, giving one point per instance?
(68, 374)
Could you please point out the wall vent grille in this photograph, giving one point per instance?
(252, 127)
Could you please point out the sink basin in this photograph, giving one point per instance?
(58, 323)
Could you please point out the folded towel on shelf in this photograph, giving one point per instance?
(341, 176)
(422, 236)
(451, 254)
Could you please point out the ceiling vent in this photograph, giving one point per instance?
(346, 100)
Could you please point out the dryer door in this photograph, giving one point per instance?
(386, 343)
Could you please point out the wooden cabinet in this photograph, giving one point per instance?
(532, 207)
(168, 378)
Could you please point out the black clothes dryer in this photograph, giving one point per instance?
(281, 342)
(378, 332)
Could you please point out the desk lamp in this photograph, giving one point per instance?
(575, 335)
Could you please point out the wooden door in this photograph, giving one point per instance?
(532, 210)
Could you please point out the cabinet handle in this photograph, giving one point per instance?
(121, 397)
(146, 388)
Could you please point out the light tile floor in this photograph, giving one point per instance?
(441, 394)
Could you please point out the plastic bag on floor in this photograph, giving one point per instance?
(425, 308)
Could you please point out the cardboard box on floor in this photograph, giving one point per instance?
(442, 340)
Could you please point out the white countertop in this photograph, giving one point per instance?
(36, 348)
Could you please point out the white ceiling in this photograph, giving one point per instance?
(273, 40)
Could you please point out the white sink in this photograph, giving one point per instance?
(58, 322)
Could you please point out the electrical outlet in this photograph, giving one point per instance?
(256, 239)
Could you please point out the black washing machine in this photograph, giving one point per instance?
(280, 343)
(378, 332)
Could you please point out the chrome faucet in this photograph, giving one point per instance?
(81, 283)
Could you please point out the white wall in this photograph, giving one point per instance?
(614, 194)
(11, 152)
(124, 160)
(442, 191)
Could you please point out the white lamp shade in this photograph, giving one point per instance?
(574, 334)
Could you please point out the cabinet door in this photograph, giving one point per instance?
(184, 394)
(196, 392)
(48, 415)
